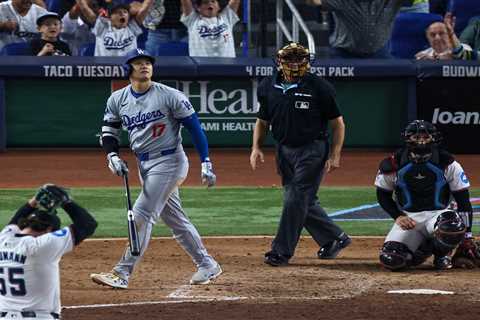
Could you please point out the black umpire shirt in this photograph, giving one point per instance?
(298, 114)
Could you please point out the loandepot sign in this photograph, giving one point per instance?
(458, 117)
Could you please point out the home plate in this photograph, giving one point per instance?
(421, 291)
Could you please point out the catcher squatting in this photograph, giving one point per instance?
(424, 178)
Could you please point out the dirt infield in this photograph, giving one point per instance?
(88, 168)
(350, 287)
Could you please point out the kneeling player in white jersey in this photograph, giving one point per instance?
(31, 246)
(152, 113)
(424, 178)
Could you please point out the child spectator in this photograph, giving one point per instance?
(18, 21)
(76, 29)
(210, 31)
(117, 35)
(49, 25)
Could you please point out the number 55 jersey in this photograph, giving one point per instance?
(29, 269)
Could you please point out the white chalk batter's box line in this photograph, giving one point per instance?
(199, 299)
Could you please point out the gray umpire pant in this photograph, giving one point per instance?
(301, 170)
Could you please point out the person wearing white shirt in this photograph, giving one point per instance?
(118, 35)
(440, 47)
(210, 30)
(18, 21)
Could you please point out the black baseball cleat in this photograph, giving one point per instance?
(332, 249)
(275, 259)
(442, 262)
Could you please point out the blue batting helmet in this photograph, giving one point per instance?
(135, 54)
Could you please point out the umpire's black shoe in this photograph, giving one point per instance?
(332, 249)
(275, 259)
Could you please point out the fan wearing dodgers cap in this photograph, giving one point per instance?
(49, 25)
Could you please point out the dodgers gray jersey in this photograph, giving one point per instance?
(29, 270)
(151, 119)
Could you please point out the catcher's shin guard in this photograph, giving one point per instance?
(448, 233)
(395, 256)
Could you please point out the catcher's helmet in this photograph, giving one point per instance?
(421, 137)
(293, 60)
(40, 220)
(135, 54)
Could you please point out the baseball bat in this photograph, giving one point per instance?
(132, 228)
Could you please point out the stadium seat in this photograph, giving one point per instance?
(408, 35)
(172, 48)
(87, 49)
(463, 10)
(16, 49)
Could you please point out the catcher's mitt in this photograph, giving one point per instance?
(50, 197)
(467, 255)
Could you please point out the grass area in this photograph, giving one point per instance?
(218, 211)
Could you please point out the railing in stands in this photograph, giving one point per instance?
(297, 23)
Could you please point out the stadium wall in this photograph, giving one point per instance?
(59, 101)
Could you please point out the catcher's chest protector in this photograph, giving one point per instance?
(421, 186)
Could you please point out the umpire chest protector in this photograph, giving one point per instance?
(298, 112)
(422, 186)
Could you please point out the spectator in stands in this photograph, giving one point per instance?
(440, 46)
(459, 50)
(210, 30)
(164, 25)
(362, 28)
(76, 28)
(418, 6)
(117, 35)
(40, 3)
(18, 21)
(49, 25)
(471, 34)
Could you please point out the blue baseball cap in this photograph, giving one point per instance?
(47, 15)
(138, 53)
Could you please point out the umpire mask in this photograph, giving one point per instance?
(293, 60)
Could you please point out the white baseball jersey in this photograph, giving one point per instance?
(211, 37)
(29, 270)
(113, 42)
(27, 25)
(150, 119)
(454, 175)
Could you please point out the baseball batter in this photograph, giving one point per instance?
(424, 177)
(153, 113)
(31, 246)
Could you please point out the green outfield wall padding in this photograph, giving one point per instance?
(68, 113)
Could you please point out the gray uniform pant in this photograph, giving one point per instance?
(301, 169)
(160, 199)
